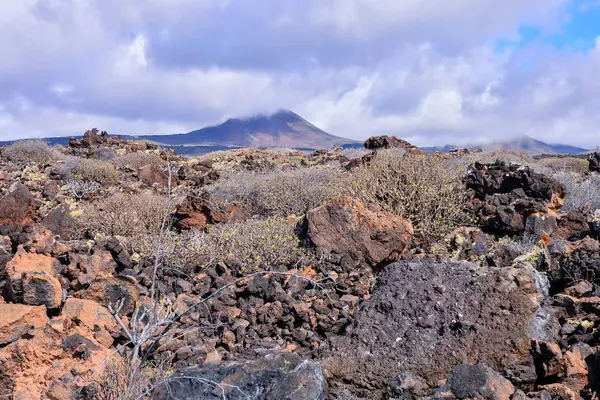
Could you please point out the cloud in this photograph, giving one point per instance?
(426, 71)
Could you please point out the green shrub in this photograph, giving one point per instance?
(31, 151)
(282, 193)
(139, 159)
(427, 190)
(245, 247)
(83, 169)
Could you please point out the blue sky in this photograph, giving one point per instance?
(430, 72)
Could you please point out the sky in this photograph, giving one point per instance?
(431, 72)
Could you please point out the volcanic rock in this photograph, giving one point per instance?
(346, 227)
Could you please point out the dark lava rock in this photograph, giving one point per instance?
(260, 374)
(389, 142)
(594, 160)
(410, 326)
(504, 196)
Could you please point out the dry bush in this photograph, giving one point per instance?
(139, 159)
(427, 190)
(105, 154)
(508, 156)
(31, 151)
(121, 380)
(83, 169)
(566, 164)
(246, 247)
(582, 192)
(282, 193)
(135, 218)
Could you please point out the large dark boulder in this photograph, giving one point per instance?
(17, 208)
(425, 318)
(594, 162)
(260, 374)
(390, 142)
(505, 195)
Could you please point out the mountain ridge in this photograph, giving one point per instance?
(524, 143)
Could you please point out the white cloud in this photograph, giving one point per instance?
(421, 69)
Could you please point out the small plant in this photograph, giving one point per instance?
(80, 188)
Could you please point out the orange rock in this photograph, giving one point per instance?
(24, 262)
(560, 392)
(17, 319)
(576, 372)
(89, 314)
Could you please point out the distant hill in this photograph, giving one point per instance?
(281, 129)
(525, 143)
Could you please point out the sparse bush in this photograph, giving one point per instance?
(508, 156)
(135, 218)
(139, 159)
(427, 190)
(83, 169)
(282, 193)
(31, 151)
(122, 380)
(105, 154)
(246, 246)
(566, 164)
(582, 192)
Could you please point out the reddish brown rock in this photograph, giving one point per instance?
(150, 174)
(17, 319)
(97, 265)
(31, 279)
(208, 209)
(17, 208)
(573, 226)
(345, 226)
(89, 314)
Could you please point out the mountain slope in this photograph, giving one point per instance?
(524, 143)
(282, 129)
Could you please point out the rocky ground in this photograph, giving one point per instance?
(507, 307)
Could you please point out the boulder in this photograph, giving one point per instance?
(579, 261)
(150, 174)
(18, 319)
(476, 382)
(346, 227)
(504, 196)
(61, 222)
(17, 208)
(209, 208)
(573, 226)
(425, 318)
(390, 142)
(109, 290)
(32, 279)
(89, 314)
(594, 162)
(52, 362)
(260, 374)
(96, 264)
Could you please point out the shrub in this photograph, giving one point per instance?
(83, 169)
(139, 159)
(105, 154)
(135, 218)
(31, 151)
(582, 192)
(246, 247)
(427, 190)
(566, 164)
(282, 193)
(508, 156)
